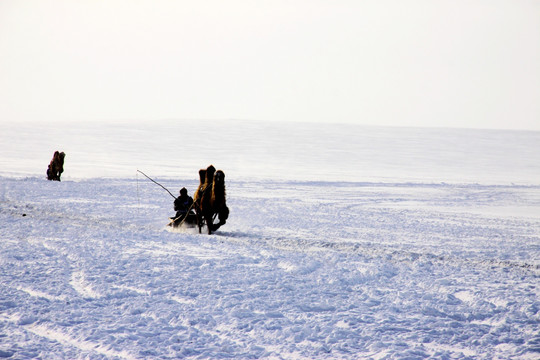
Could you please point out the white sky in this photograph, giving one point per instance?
(470, 63)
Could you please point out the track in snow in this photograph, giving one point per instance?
(306, 270)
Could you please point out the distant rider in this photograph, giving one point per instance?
(56, 166)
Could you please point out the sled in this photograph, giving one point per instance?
(190, 220)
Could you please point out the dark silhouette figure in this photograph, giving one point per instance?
(56, 166)
(184, 209)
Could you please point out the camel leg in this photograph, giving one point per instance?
(223, 215)
(209, 223)
(199, 220)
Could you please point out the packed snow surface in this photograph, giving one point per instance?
(343, 242)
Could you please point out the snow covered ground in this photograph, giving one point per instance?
(343, 242)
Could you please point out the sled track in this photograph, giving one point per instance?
(369, 251)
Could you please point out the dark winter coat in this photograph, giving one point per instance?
(182, 204)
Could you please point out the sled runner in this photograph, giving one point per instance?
(189, 219)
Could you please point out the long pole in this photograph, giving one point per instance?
(155, 182)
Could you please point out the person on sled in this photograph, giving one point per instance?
(184, 209)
